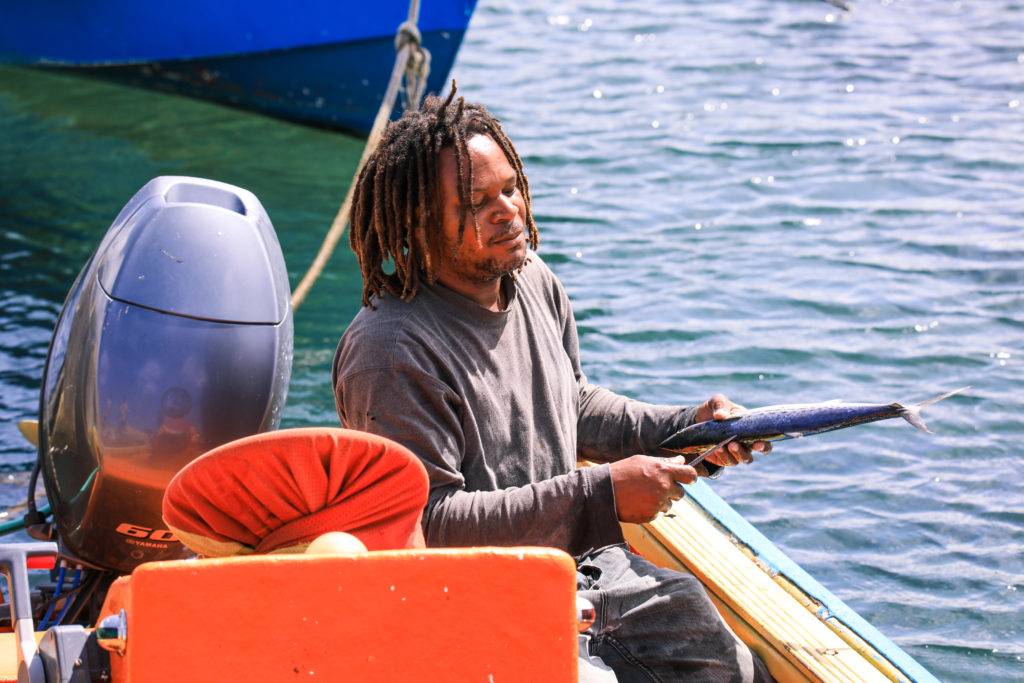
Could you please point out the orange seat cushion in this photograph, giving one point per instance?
(279, 490)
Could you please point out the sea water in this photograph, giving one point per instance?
(779, 200)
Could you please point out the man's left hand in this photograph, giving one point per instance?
(719, 407)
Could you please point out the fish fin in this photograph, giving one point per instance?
(930, 401)
(912, 414)
(711, 450)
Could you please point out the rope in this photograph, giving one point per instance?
(413, 61)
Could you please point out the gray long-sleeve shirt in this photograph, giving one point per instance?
(498, 409)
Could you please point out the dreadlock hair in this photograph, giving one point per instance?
(397, 213)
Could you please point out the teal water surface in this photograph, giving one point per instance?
(774, 199)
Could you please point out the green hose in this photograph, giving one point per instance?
(16, 524)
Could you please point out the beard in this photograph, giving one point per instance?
(486, 269)
(481, 265)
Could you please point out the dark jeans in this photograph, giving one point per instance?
(657, 625)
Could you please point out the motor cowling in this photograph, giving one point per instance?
(175, 338)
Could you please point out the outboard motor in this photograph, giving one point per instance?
(175, 338)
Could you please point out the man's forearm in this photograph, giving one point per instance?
(612, 426)
(574, 512)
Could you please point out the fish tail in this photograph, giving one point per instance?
(912, 414)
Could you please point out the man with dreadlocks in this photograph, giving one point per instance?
(466, 352)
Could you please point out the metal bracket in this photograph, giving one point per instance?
(14, 565)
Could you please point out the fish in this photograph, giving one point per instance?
(696, 461)
(779, 422)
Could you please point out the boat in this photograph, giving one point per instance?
(143, 390)
(800, 629)
(316, 62)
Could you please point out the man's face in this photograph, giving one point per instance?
(500, 211)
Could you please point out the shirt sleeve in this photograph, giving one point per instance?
(574, 512)
(612, 426)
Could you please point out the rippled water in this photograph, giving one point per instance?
(770, 198)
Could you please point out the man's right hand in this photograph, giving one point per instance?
(645, 486)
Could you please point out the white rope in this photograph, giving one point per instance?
(413, 62)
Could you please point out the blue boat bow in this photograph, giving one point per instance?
(317, 62)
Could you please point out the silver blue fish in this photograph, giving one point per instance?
(775, 423)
